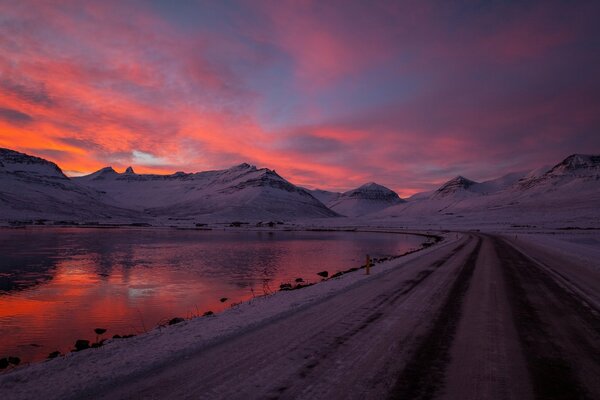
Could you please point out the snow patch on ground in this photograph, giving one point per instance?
(581, 246)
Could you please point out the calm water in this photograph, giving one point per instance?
(57, 285)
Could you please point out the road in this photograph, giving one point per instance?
(482, 318)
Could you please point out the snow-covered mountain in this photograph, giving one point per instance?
(34, 188)
(457, 186)
(577, 168)
(570, 188)
(366, 199)
(243, 192)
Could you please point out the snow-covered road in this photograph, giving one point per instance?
(477, 318)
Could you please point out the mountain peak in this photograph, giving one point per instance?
(101, 174)
(244, 166)
(461, 179)
(106, 170)
(368, 198)
(129, 171)
(576, 166)
(15, 161)
(577, 162)
(373, 191)
(456, 184)
(372, 185)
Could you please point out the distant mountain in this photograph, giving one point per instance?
(34, 188)
(243, 192)
(571, 187)
(461, 187)
(454, 186)
(23, 165)
(575, 168)
(366, 199)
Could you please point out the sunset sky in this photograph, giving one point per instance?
(330, 94)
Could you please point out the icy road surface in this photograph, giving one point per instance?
(482, 317)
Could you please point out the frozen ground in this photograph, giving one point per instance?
(511, 315)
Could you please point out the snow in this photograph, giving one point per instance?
(366, 199)
(242, 191)
(324, 196)
(583, 246)
(456, 185)
(13, 162)
(35, 189)
(566, 195)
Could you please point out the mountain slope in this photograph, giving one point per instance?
(459, 186)
(366, 199)
(577, 168)
(34, 188)
(243, 192)
(568, 191)
(324, 196)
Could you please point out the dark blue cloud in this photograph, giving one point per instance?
(14, 116)
(31, 92)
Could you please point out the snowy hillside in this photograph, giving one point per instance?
(366, 199)
(324, 196)
(569, 191)
(457, 186)
(34, 188)
(243, 192)
(577, 168)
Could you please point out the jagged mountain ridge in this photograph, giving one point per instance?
(241, 191)
(572, 184)
(34, 188)
(577, 166)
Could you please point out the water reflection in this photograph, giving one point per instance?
(57, 285)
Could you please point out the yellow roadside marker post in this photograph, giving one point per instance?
(368, 265)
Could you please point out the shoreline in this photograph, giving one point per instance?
(184, 313)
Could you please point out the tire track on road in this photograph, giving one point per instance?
(556, 330)
(423, 375)
(377, 311)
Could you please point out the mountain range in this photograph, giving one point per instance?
(32, 188)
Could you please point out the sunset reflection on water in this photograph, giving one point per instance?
(57, 285)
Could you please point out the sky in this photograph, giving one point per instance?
(330, 94)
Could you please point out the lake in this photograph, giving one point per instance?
(58, 284)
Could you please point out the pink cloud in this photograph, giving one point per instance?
(397, 93)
